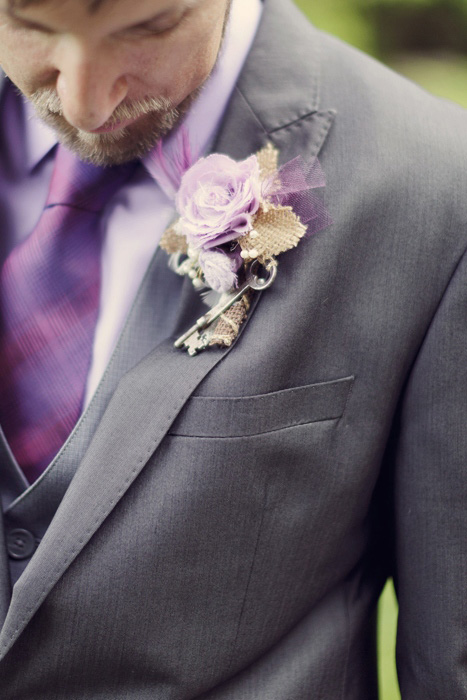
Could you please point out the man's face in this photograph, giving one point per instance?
(111, 81)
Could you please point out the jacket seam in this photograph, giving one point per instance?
(439, 304)
(347, 656)
(250, 574)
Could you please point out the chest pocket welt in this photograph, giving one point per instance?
(210, 417)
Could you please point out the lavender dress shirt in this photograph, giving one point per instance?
(136, 217)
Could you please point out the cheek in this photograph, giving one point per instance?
(182, 77)
(177, 68)
(25, 61)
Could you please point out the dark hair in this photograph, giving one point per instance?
(93, 5)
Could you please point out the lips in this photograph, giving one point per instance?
(115, 126)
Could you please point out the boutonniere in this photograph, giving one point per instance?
(233, 220)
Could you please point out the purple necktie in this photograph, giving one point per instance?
(50, 286)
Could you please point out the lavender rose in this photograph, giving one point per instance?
(217, 200)
(220, 268)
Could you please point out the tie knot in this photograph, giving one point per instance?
(82, 185)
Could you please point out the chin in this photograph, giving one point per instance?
(122, 145)
(115, 147)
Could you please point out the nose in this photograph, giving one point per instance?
(89, 84)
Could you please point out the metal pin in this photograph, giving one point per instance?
(252, 281)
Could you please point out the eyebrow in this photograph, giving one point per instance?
(94, 6)
(183, 7)
(12, 5)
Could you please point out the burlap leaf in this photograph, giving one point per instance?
(277, 229)
(268, 159)
(173, 242)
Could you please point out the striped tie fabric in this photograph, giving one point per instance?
(50, 287)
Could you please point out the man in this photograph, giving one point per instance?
(221, 526)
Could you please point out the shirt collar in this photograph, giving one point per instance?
(204, 117)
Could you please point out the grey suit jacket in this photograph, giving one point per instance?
(228, 520)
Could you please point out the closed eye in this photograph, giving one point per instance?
(23, 24)
(155, 27)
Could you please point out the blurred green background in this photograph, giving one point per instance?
(425, 40)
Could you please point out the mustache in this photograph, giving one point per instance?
(47, 102)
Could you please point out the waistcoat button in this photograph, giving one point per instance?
(20, 543)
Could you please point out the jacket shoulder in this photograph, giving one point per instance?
(390, 105)
(401, 150)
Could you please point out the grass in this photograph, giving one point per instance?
(387, 620)
(444, 74)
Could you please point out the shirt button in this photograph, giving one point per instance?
(20, 543)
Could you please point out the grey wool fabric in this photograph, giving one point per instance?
(219, 527)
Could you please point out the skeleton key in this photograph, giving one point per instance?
(196, 339)
(197, 342)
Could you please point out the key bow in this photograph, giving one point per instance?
(197, 337)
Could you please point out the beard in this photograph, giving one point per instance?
(155, 117)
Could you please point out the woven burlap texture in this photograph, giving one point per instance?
(227, 327)
(268, 160)
(173, 242)
(277, 229)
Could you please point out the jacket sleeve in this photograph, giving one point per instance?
(430, 491)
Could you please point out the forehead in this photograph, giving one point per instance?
(94, 5)
(91, 5)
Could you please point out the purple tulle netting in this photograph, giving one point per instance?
(173, 164)
(293, 187)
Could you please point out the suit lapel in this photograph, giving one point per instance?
(278, 91)
(148, 397)
(143, 407)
